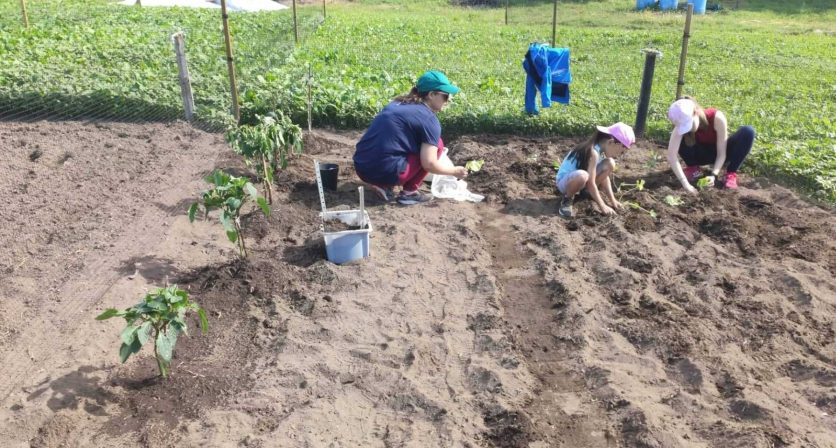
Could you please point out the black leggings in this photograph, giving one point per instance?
(737, 148)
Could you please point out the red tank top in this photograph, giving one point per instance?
(707, 135)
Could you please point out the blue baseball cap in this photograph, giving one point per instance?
(435, 80)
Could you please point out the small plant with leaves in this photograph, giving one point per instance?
(638, 185)
(673, 201)
(705, 182)
(268, 144)
(637, 206)
(653, 161)
(161, 317)
(229, 195)
(474, 165)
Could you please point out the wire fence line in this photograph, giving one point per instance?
(99, 60)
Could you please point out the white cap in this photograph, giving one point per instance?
(681, 114)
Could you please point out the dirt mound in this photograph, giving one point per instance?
(707, 323)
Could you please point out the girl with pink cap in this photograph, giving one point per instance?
(700, 137)
(590, 165)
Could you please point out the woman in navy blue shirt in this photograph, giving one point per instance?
(403, 143)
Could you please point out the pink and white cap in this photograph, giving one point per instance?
(621, 132)
(681, 114)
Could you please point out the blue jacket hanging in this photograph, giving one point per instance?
(547, 70)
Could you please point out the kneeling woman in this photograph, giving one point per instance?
(403, 143)
(700, 137)
(590, 165)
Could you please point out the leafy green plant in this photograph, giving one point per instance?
(673, 201)
(653, 161)
(161, 317)
(556, 165)
(637, 206)
(638, 185)
(705, 182)
(229, 195)
(267, 145)
(474, 165)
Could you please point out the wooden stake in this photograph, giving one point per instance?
(183, 69)
(25, 15)
(310, 98)
(236, 110)
(554, 24)
(295, 25)
(323, 10)
(506, 11)
(682, 56)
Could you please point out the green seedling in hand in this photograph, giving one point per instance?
(229, 195)
(636, 206)
(474, 165)
(673, 201)
(160, 317)
(267, 145)
(705, 182)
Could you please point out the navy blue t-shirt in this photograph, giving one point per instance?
(399, 129)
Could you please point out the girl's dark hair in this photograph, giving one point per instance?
(413, 97)
(582, 151)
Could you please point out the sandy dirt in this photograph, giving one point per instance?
(491, 324)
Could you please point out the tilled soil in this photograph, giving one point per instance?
(709, 323)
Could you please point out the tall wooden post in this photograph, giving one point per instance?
(650, 56)
(183, 69)
(554, 24)
(682, 56)
(25, 15)
(506, 10)
(323, 10)
(230, 64)
(310, 97)
(295, 25)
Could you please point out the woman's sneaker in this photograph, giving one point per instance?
(414, 197)
(731, 181)
(692, 173)
(565, 209)
(385, 194)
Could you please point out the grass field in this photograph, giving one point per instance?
(770, 64)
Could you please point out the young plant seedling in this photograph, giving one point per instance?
(653, 161)
(673, 201)
(160, 317)
(229, 195)
(636, 186)
(474, 165)
(267, 145)
(636, 206)
(705, 182)
(556, 165)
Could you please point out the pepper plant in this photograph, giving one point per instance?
(161, 317)
(267, 145)
(229, 195)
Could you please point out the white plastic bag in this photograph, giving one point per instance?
(448, 187)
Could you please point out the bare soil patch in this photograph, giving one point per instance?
(492, 324)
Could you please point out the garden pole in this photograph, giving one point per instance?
(506, 11)
(647, 83)
(681, 80)
(183, 71)
(310, 77)
(323, 10)
(554, 24)
(25, 15)
(230, 64)
(295, 25)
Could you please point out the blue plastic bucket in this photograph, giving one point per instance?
(642, 4)
(668, 4)
(699, 6)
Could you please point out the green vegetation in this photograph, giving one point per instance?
(161, 317)
(267, 145)
(229, 195)
(769, 64)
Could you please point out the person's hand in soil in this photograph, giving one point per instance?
(691, 190)
(460, 172)
(617, 205)
(605, 209)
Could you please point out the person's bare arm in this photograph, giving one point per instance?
(673, 160)
(592, 186)
(430, 162)
(721, 127)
